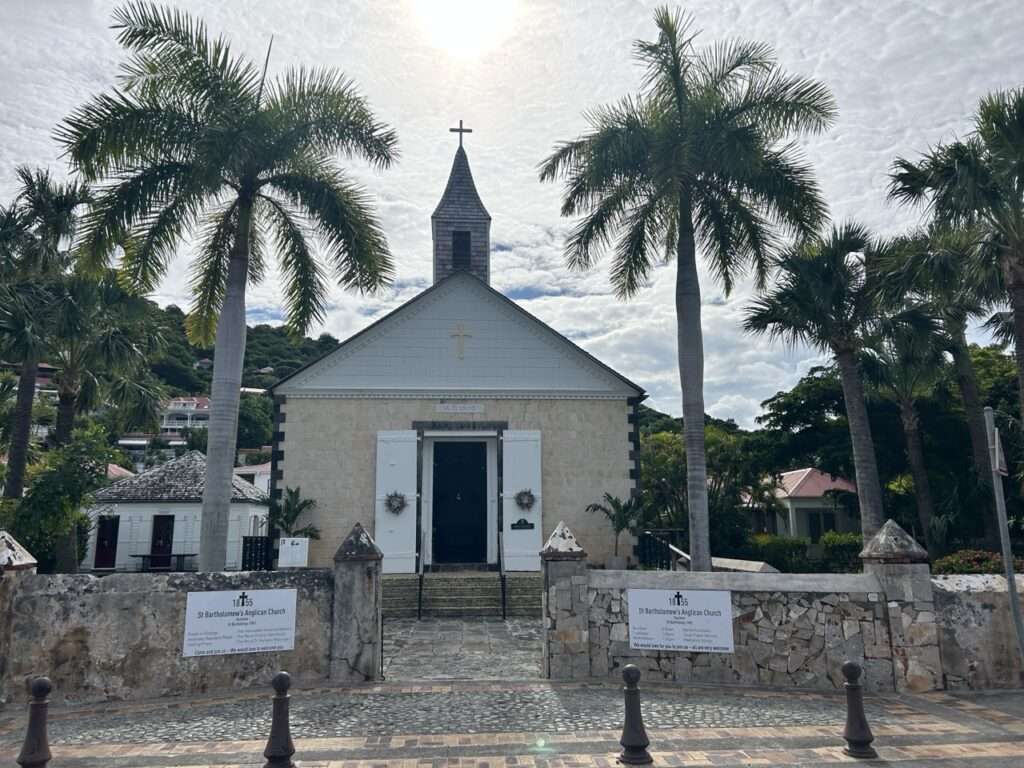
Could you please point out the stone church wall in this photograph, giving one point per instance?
(329, 451)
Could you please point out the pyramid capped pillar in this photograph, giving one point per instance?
(355, 631)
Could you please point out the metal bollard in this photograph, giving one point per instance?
(280, 748)
(35, 751)
(857, 732)
(634, 739)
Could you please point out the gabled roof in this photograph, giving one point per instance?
(535, 357)
(181, 480)
(811, 483)
(460, 199)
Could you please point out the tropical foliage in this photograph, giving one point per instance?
(701, 158)
(199, 141)
(285, 513)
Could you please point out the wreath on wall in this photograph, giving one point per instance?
(396, 502)
(525, 499)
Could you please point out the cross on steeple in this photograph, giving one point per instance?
(460, 130)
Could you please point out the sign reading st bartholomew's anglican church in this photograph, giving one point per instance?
(250, 621)
(680, 620)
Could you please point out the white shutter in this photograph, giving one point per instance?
(521, 471)
(396, 472)
(233, 555)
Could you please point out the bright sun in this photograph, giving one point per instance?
(466, 27)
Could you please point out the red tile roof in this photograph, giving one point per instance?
(811, 483)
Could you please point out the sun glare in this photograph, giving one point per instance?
(466, 27)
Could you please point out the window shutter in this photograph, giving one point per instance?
(521, 471)
(396, 473)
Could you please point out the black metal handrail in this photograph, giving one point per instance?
(657, 547)
(501, 576)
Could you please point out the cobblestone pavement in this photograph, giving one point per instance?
(427, 714)
(462, 649)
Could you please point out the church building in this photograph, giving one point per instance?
(459, 428)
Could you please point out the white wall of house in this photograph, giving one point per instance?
(796, 520)
(135, 530)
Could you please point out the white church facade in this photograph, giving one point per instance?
(458, 428)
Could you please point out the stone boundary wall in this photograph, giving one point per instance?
(976, 633)
(120, 636)
(788, 629)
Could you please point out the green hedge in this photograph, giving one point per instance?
(840, 552)
(787, 554)
(974, 561)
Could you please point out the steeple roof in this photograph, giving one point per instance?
(460, 199)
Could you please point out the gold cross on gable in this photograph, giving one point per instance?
(460, 130)
(461, 334)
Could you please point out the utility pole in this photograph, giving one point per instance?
(999, 471)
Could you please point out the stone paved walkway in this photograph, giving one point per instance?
(425, 715)
(461, 649)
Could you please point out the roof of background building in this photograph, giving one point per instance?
(181, 479)
(115, 472)
(811, 483)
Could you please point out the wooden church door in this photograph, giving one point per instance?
(523, 519)
(395, 532)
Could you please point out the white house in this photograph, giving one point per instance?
(257, 474)
(152, 521)
(811, 506)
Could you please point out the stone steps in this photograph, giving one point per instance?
(462, 594)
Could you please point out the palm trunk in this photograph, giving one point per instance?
(229, 354)
(967, 381)
(65, 417)
(17, 452)
(691, 379)
(869, 489)
(918, 468)
(66, 546)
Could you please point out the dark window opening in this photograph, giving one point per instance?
(460, 250)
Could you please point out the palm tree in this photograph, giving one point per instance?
(952, 272)
(903, 360)
(198, 141)
(622, 515)
(979, 182)
(700, 157)
(100, 349)
(32, 235)
(821, 298)
(284, 514)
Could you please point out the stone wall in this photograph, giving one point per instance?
(330, 446)
(976, 633)
(788, 629)
(120, 636)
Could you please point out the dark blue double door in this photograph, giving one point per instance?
(460, 502)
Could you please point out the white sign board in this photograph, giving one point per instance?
(240, 621)
(459, 408)
(292, 552)
(680, 620)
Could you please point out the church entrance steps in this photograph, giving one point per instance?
(472, 593)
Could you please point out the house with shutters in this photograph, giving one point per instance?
(459, 429)
(152, 521)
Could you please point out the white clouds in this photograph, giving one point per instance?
(905, 74)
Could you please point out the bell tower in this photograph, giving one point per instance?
(460, 224)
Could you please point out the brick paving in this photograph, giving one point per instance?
(412, 722)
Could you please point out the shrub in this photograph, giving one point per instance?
(787, 554)
(840, 552)
(974, 561)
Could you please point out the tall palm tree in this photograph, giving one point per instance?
(197, 140)
(821, 297)
(34, 236)
(952, 271)
(979, 181)
(702, 156)
(903, 360)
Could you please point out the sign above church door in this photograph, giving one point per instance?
(459, 408)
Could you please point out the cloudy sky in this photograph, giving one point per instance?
(905, 73)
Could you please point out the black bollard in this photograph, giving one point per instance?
(35, 752)
(857, 732)
(280, 748)
(634, 739)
